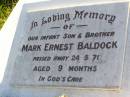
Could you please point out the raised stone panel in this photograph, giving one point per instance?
(95, 55)
(79, 46)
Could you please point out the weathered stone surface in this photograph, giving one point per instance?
(23, 88)
(79, 46)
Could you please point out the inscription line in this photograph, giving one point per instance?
(54, 27)
(81, 25)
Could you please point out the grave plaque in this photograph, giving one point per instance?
(78, 46)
